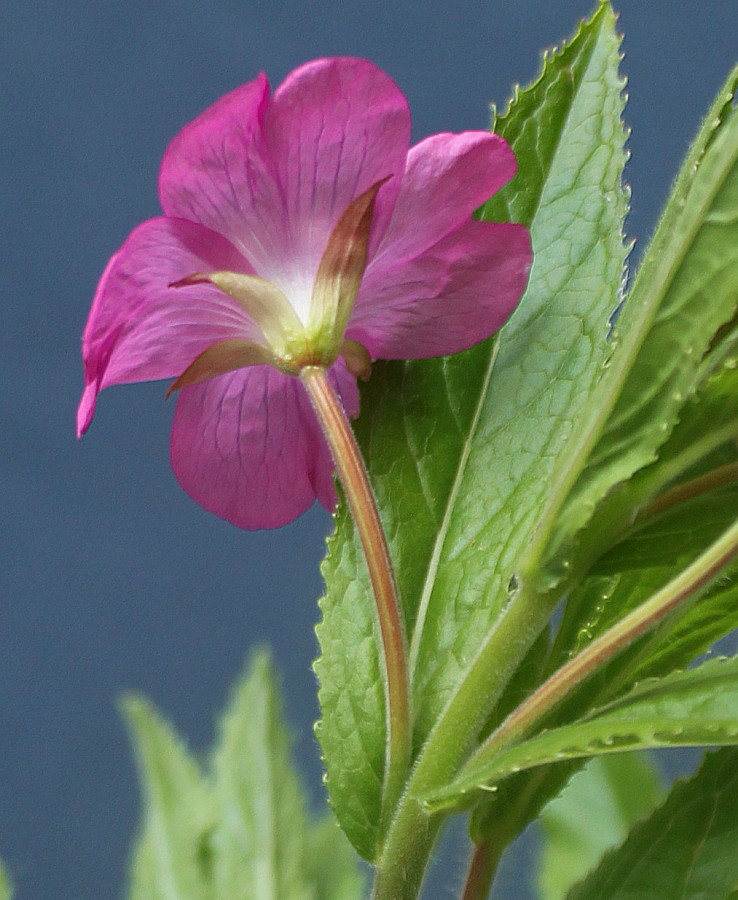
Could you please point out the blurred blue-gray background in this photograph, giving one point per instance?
(110, 577)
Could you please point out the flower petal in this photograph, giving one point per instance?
(215, 172)
(140, 328)
(456, 294)
(334, 128)
(247, 447)
(345, 384)
(448, 176)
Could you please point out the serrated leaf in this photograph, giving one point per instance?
(549, 355)
(708, 420)
(264, 845)
(673, 529)
(259, 842)
(699, 457)
(711, 618)
(686, 289)
(639, 567)
(6, 888)
(673, 538)
(170, 861)
(463, 451)
(676, 644)
(684, 709)
(352, 729)
(593, 813)
(239, 830)
(332, 863)
(686, 849)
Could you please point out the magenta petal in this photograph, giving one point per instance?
(247, 447)
(139, 328)
(215, 172)
(459, 292)
(448, 177)
(345, 385)
(335, 128)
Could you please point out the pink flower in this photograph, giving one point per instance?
(298, 229)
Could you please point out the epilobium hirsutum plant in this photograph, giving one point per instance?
(567, 464)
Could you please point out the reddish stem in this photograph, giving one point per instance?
(361, 501)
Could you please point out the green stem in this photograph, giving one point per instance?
(678, 591)
(361, 501)
(413, 830)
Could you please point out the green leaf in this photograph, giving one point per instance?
(686, 849)
(669, 534)
(550, 354)
(240, 830)
(259, 840)
(171, 858)
(636, 569)
(675, 537)
(683, 709)
(685, 291)
(464, 451)
(674, 645)
(6, 888)
(332, 863)
(593, 813)
(706, 422)
(711, 618)
(352, 729)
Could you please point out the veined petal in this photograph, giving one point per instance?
(448, 176)
(456, 294)
(215, 172)
(141, 329)
(345, 384)
(334, 128)
(247, 447)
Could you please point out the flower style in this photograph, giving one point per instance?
(298, 230)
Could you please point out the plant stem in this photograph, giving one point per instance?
(413, 830)
(361, 501)
(722, 476)
(684, 587)
(482, 868)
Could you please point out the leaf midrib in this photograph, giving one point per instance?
(440, 539)
(439, 542)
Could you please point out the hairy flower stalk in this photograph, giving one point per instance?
(360, 498)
